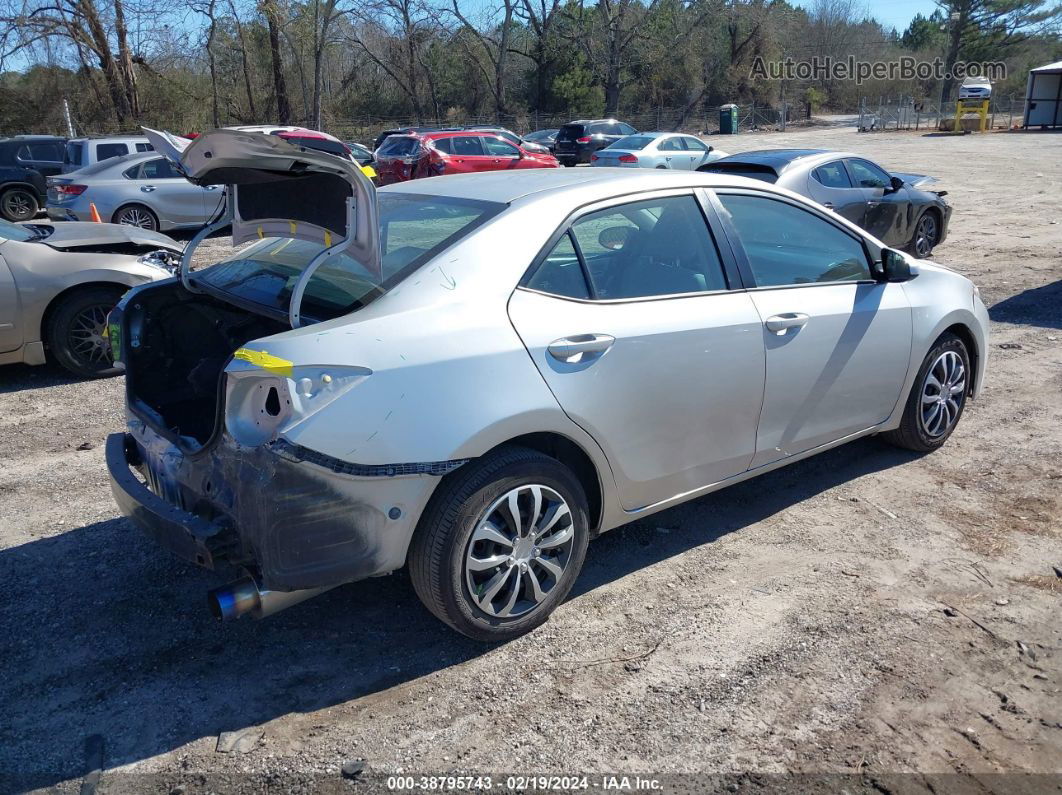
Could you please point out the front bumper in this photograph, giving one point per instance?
(295, 522)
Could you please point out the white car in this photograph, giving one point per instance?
(658, 150)
(473, 375)
(975, 88)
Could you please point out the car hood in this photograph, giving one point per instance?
(915, 180)
(280, 189)
(77, 234)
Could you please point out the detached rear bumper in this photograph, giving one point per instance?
(297, 520)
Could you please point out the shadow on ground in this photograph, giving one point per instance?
(105, 634)
(21, 377)
(1037, 306)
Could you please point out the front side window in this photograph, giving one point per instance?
(832, 175)
(413, 229)
(467, 145)
(695, 144)
(107, 151)
(867, 175)
(647, 248)
(787, 245)
(499, 148)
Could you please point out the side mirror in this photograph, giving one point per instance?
(895, 184)
(893, 267)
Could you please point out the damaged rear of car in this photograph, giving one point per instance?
(212, 464)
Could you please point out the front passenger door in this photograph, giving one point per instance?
(629, 319)
(886, 209)
(838, 343)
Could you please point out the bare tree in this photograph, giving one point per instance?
(271, 11)
(493, 36)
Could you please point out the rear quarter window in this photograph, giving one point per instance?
(75, 153)
(750, 170)
(396, 146)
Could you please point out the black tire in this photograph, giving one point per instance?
(926, 234)
(72, 327)
(444, 537)
(19, 204)
(913, 433)
(136, 215)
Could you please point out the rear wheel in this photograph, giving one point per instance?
(937, 398)
(501, 544)
(18, 204)
(136, 215)
(77, 331)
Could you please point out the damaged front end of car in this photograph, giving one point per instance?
(204, 466)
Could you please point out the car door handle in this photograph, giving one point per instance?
(828, 205)
(580, 348)
(780, 324)
(147, 188)
(873, 204)
(211, 187)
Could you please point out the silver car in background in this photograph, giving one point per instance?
(657, 150)
(143, 190)
(472, 376)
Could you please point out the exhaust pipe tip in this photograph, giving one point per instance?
(235, 599)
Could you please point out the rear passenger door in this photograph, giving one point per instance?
(469, 153)
(628, 315)
(45, 157)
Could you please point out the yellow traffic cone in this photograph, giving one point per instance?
(94, 214)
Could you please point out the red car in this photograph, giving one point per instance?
(429, 154)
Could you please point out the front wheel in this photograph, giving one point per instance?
(77, 331)
(501, 544)
(926, 235)
(937, 398)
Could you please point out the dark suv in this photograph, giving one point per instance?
(577, 140)
(25, 161)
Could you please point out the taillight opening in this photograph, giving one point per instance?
(628, 159)
(584, 140)
(70, 190)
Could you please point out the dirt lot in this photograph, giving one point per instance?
(868, 612)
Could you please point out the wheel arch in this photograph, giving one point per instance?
(124, 205)
(575, 458)
(58, 298)
(965, 333)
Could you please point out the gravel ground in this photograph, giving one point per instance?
(868, 613)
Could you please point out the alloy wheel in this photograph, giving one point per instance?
(519, 550)
(135, 216)
(926, 235)
(19, 205)
(85, 337)
(943, 393)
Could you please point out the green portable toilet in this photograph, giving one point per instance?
(728, 119)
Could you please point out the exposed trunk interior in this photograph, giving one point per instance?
(175, 348)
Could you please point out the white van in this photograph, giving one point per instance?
(81, 152)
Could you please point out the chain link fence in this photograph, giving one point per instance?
(907, 113)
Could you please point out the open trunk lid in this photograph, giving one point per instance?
(278, 189)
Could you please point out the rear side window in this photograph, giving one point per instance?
(159, 168)
(42, 152)
(561, 273)
(398, 146)
(832, 175)
(75, 153)
(569, 132)
(787, 245)
(671, 145)
(632, 143)
(443, 145)
(107, 151)
(639, 250)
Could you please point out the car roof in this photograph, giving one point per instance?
(776, 158)
(97, 138)
(592, 184)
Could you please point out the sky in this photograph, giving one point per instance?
(891, 13)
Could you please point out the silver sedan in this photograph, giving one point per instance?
(474, 375)
(143, 190)
(658, 150)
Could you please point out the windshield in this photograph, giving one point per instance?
(10, 231)
(632, 143)
(413, 229)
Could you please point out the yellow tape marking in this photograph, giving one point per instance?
(368, 171)
(328, 239)
(292, 224)
(265, 360)
(260, 233)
